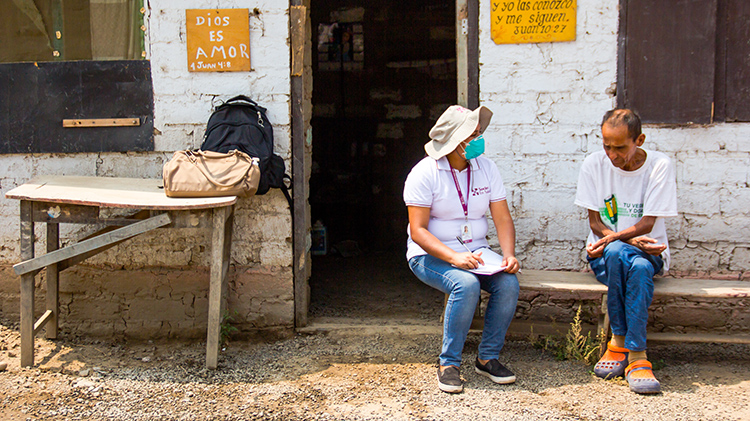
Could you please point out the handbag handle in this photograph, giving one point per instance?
(191, 158)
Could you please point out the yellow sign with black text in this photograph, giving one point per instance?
(218, 40)
(522, 21)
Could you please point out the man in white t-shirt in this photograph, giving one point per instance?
(628, 192)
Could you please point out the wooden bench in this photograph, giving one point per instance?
(584, 286)
(78, 200)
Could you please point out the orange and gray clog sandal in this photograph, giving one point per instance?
(612, 363)
(641, 377)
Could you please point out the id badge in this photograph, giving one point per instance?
(466, 232)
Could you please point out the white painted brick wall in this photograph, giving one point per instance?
(183, 100)
(182, 104)
(548, 101)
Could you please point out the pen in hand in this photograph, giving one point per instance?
(464, 244)
(467, 248)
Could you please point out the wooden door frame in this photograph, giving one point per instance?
(467, 52)
(299, 28)
(467, 57)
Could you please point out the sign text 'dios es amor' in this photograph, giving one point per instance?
(218, 40)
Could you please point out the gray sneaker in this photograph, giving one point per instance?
(449, 380)
(495, 371)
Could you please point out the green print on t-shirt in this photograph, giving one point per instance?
(610, 209)
(632, 210)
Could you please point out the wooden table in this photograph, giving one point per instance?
(79, 200)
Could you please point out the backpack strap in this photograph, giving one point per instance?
(285, 190)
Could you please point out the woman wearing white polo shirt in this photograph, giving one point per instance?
(447, 195)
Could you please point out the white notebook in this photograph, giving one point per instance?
(493, 262)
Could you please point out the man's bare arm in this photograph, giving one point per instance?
(634, 235)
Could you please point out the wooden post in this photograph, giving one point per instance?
(220, 247)
(58, 25)
(462, 50)
(467, 52)
(27, 286)
(300, 30)
(53, 276)
(472, 54)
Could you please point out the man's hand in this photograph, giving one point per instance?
(631, 235)
(594, 253)
(647, 244)
(597, 249)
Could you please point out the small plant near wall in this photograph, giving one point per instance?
(575, 345)
(580, 347)
(227, 330)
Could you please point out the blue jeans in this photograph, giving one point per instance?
(628, 272)
(464, 289)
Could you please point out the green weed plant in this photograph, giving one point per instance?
(226, 329)
(575, 346)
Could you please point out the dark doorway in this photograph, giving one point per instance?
(383, 71)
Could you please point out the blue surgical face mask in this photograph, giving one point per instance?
(474, 148)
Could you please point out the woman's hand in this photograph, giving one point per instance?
(511, 263)
(467, 260)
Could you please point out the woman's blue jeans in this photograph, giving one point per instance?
(464, 288)
(628, 272)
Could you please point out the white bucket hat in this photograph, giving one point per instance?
(453, 127)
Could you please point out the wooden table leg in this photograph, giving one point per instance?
(27, 286)
(53, 296)
(221, 241)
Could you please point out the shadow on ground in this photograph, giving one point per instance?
(374, 287)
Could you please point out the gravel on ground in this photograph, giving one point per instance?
(352, 374)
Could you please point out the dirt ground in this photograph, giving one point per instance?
(385, 371)
(352, 375)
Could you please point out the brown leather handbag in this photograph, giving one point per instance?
(206, 174)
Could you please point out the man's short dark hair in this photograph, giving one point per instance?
(620, 116)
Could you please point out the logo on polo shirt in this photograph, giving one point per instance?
(476, 191)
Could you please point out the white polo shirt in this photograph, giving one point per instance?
(431, 185)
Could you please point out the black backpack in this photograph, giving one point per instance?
(240, 123)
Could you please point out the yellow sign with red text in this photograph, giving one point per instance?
(218, 40)
(522, 21)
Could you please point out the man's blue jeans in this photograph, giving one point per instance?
(628, 272)
(464, 289)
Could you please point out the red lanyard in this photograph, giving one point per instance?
(464, 203)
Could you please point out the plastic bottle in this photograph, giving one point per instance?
(319, 239)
